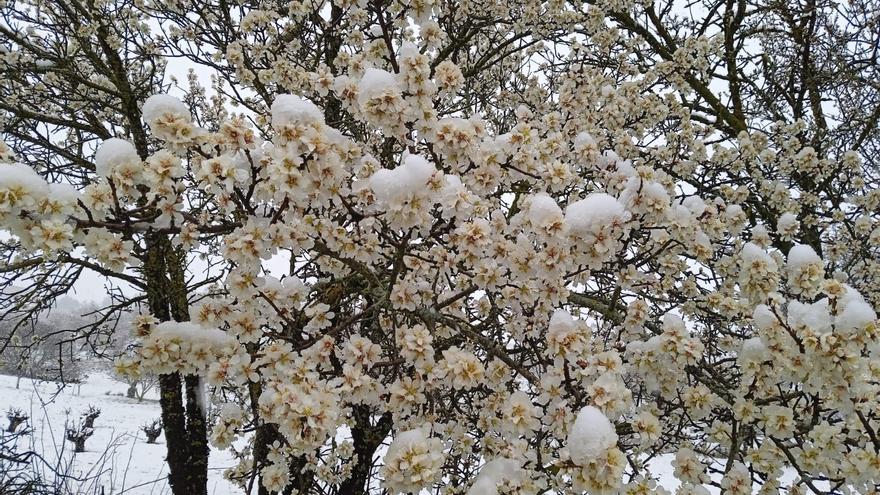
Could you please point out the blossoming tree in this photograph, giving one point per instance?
(530, 247)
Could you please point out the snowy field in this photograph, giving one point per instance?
(117, 456)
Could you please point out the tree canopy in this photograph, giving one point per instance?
(471, 247)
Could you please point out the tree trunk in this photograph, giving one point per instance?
(265, 434)
(185, 428)
(174, 419)
(301, 479)
(14, 423)
(367, 439)
(197, 436)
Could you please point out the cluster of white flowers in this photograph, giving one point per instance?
(231, 417)
(36, 212)
(183, 346)
(592, 447)
(544, 215)
(805, 270)
(48, 217)
(380, 100)
(461, 368)
(820, 344)
(110, 250)
(118, 160)
(759, 273)
(567, 338)
(519, 415)
(305, 410)
(415, 345)
(661, 360)
(412, 462)
(404, 191)
(169, 119)
(500, 475)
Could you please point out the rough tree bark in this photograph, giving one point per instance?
(367, 438)
(185, 426)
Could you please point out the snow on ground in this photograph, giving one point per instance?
(117, 456)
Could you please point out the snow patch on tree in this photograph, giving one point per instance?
(114, 154)
(594, 212)
(410, 177)
(591, 434)
(160, 105)
(495, 473)
(294, 110)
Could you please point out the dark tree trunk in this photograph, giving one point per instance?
(78, 436)
(89, 421)
(182, 414)
(197, 464)
(79, 445)
(14, 423)
(264, 436)
(174, 419)
(300, 479)
(367, 438)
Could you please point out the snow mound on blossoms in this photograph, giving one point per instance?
(413, 461)
(763, 317)
(800, 255)
(63, 193)
(21, 176)
(751, 253)
(562, 320)
(787, 222)
(293, 110)
(113, 153)
(191, 332)
(159, 104)
(815, 316)
(753, 350)
(375, 82)
(584, 139)
(410, 177)
(591, 435)
(856, 313)
(493, 474)
(593, 212)
(695, 205)
(673, 323)
(406, 440)
(543, 210)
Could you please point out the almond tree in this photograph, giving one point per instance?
(529, 247)
(75, 74)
